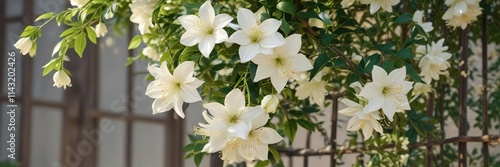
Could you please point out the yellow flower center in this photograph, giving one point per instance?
(233, 119)
(255, 35)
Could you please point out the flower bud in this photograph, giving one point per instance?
(100, 30)
(270, 103)
(61, 79)
(24, 45)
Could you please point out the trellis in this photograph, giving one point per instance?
(333, 150)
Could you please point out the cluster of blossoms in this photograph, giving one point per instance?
(386, 92)
(236, 130)
(461, 12)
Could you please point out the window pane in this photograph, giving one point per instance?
(43, 88)
(13, 8)
(112, 147)
(46, 127)
(142, 103)
(44, 6)
(113, 72)
(12, 35)
(11, 123)
(148, 145)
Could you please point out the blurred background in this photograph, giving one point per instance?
(104, 119)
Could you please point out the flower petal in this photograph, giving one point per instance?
(207, 13)
(291, 46)
(248, 52)
(219, 36)
(184, 72)
(397, 75)
(374, 104)
(246, 20)
(190, 94)
(160, 106)
(300, 63)
(260, 120)
(221, 21)
(272, 41)
(191, 38)
(269, 27)
(278, 81)
(216, 109)
(189, 21)
(235, 101)
(379, 75)
(240, 37)
(239, 129)
(178, 107)
(269, 136)
(206, 46)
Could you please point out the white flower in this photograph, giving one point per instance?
(418, 18)
(101, 29)
(270, 103)
(255, 38)
(78, 3)
(360, 120)
(387, 92)
(375, 5)
(170, 91)
(233, 117)
(61, 79)
(205, 30)
(151, 53)
(420, 89)
(461, 12)
(282, 63)
(256, 145)
(434, 62)
(347, 3)
(25, 46)
(142, 11)
(314, 89)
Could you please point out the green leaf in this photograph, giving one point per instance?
(319, 63)
(189, 53)
(275, 153)
(405, 53)
(91, 35)
(45, 16)
(198, 158)
(308, 14)
(188, 147)
(371, 61)
(28, 31)
(285, 27)
(290, 128)
(403, 19)
(418, 30)
(47, 68)
(287, 7)
(68, 31)
(80, 44)
(135, 42)
(306, 124)
(412, 73)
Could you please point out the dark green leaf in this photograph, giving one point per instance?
(306, 124)
(285, 27)
(198, 158)
(308, 14)
(287, 7)
(275, 153)
(290, 128)
(319, 63)
(405, 53)
(411, 71)
(403, 19)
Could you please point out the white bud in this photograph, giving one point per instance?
(61, 79)
(101, 30)
(24, 45)
(270, 103)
